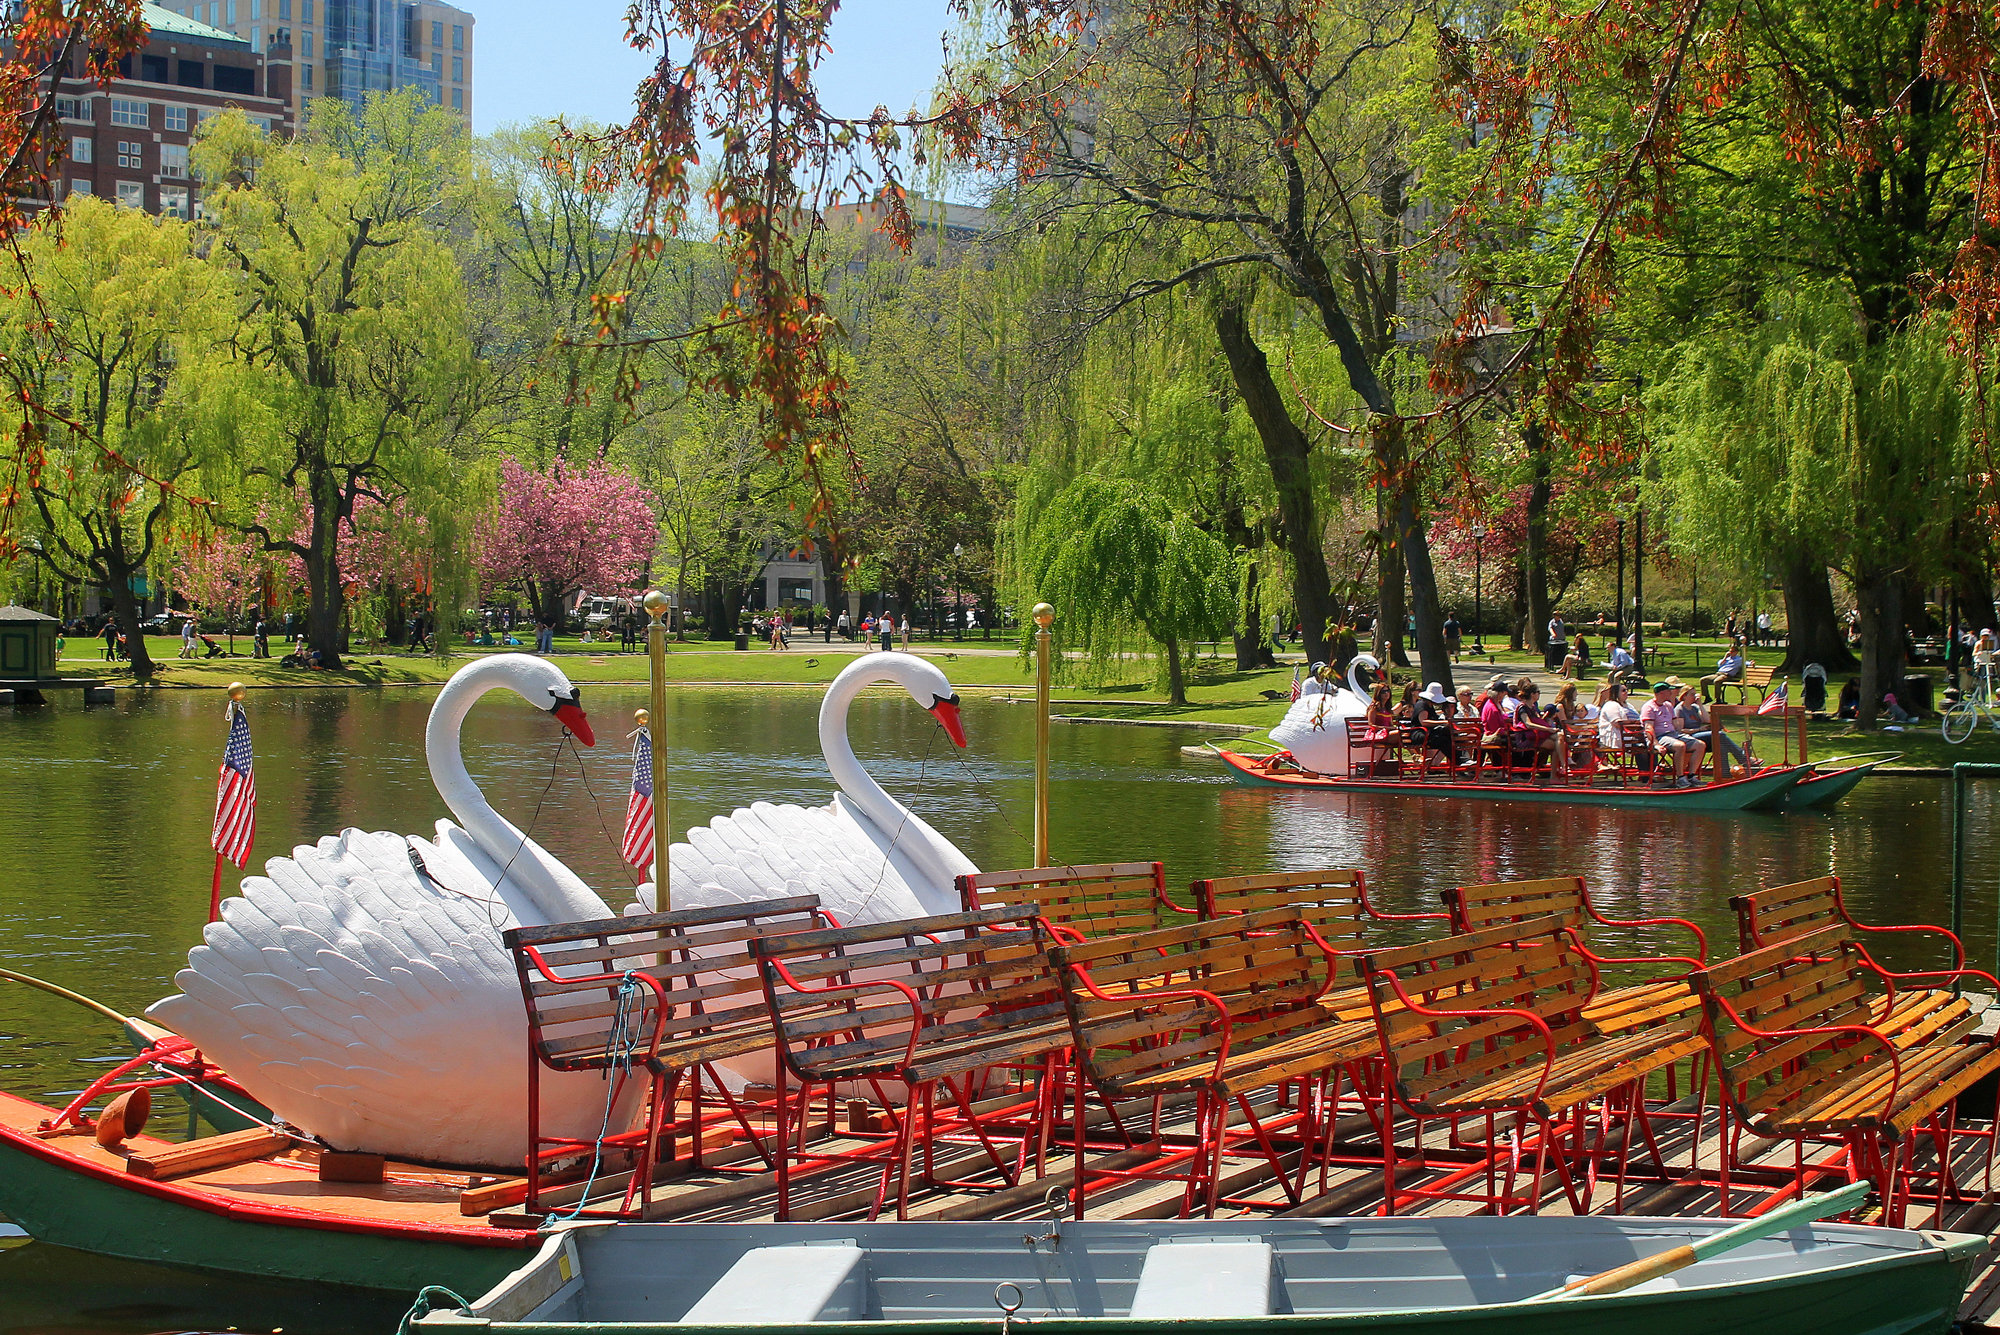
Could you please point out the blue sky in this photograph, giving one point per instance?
(536, 60)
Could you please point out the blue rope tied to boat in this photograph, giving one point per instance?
(422, 1307)
(619, 1047)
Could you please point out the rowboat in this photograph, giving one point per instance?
(1415, 1275)
(270, 1214)
(1743, 791)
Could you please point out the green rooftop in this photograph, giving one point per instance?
(164, 21)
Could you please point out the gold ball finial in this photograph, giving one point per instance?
(655, 603)
(1044, 615)
(236, 690)
(642, 717)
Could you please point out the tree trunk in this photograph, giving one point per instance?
(1248, 633)
(717, 614)
(1535, 554)
(1815, 632)
(1176, 680)
(395, 616)
(1415, 549)
(1878, 598)
(1286, 450)
(125, 610)
(1972, 584)
(1391, 611)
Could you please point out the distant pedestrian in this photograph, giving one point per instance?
(906, 631)
(188, 632)
(1453, 637)
(886, 628)
(826, 629)
(846, 631)
(545, 637)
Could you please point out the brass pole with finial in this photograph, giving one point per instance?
(1044, 617)
(656, 605)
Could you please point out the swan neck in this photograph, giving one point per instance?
(870, 797)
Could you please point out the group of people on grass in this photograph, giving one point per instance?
(1572, 737)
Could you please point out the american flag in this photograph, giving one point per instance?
(1774, 700)
(1295, 683)
(235, 794)
(638, 848)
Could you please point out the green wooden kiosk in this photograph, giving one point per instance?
(27, 644)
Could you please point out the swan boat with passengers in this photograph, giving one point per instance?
(1326, 743)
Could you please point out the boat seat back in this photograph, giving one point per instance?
(698, 998)
(1781, 912)
(787, 1286)
(1099, 899)
(1194, 1280)
(1335, 902)
(1474, 908)
(894, 997)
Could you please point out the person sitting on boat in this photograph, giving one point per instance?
(1574, 718)
(1494, 721)
(1501, 691)
(1430, 714)
(1406, 706)
(1612, 716)
(1533, 729)
(1663, 729)
(1381, 713)
(1695, 723)
(1728, 668)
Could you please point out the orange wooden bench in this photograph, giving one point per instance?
(1494, 1023)
(1796, 1035)
(1098, 899)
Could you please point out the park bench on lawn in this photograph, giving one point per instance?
(1761, 678)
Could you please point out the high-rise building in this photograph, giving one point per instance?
(128, 141)
(351, 48)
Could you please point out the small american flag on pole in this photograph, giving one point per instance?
(235, 795)
(1774, 700)
(638, 848)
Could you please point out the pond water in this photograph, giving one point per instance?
(105, 812)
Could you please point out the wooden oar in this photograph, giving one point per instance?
(1620, 1278)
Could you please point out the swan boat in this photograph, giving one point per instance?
(1310, 751)
(1425, 1276)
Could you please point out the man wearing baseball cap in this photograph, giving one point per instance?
(1663, 725)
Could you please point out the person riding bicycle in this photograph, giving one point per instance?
(1985, 650)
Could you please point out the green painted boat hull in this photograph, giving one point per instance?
(67, 1208)
(1816, 792)
(1747, 794)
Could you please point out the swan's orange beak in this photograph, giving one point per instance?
(570, 714)
(947, 714)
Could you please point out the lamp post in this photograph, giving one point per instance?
(1478, 583)
(957, 607)
(1044, 617)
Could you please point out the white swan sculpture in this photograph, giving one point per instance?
(359, 988)
(868, 857)
(1314, 729)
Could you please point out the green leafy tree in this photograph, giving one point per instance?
(1116, 558)
(351, 312)
(118, 345)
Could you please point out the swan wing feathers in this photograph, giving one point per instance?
(373, 1004)
(767, 851)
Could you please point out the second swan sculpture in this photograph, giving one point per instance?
(868, 857)
(359, 988)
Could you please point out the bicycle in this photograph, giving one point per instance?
(1961, 717)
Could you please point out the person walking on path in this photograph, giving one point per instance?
(886, 626)
(187, 638)
(906, 632)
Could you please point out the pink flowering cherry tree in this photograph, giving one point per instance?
(559, 531)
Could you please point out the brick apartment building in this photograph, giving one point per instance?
(351, 48)
(128, 141)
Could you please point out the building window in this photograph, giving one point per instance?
(174, 201)
(306, 44)
(131, 154)
(80, 149)
(307, 71)
(177, 119)
(256, 39)
(284, 9)
(153, 69)
(437, 63)
(256, 10)
(305, 11)
(211, 13)
(235, 79)
(79, 187)
(73, 108)
(131, 113)
(458, 99)
(458, 69)
(230, 9)
(437, 34)
(131, 195)
(191, 75)
(173, 160)
(458, 37)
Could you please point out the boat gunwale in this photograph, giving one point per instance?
(1647, 795)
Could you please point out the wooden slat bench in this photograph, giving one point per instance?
(924, 1002)
(1616, 1009)
(1337, 905)
(1794, 1032)
(692, 1000)
(1098, 899)
(1493, 1023)
(1759, 678)
(1239, 1012)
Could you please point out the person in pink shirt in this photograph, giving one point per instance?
(1663, 725)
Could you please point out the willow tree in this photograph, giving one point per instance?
(1119, 561)
(1802, 434)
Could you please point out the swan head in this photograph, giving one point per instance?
(567, 706)
(928, 686)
